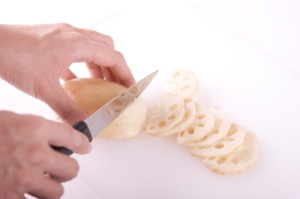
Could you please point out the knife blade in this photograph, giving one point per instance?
(101, 118)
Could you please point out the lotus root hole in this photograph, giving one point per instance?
(171, 117)
(235, 161)
(176, 75)
(161, 124)
(215, 131)
(200, 125)
(230, 139)
(186, 100)
(134, 90)
(205, 138)
(186, 87)
(219, 146)
(232, 130)
(221, 160)
(190, 130)
(173, 107)
(200, 117)
(117, 111)
(211, 158)
(118, 103)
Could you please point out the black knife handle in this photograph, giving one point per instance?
(82, 128)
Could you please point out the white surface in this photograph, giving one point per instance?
(246, 57)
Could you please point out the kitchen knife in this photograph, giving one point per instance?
(100, 119)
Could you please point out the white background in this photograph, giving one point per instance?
(246, 57)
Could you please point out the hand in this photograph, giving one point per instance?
(33, 58)
(27, 162)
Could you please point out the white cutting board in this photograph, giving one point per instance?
(264, 102)
(150, 167)
(246, 82)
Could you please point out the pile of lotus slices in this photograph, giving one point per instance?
(207, 132)
(224, 146)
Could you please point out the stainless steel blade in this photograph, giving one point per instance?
(99, 120)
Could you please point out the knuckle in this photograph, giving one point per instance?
(61, 33)
(37, 125)
(68, 115)
(55, 30)
(63, 25)
(70, 39)
(26, 181)
(74, 169)
(120, 60)
(35, 155)
(120, 56)
(74, 42)
(80, 143)
(108, 39)
(76, 37)
(39, 122)
(103, 38)
(58, 191)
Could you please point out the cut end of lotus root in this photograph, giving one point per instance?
(239, 161)
(182, 83)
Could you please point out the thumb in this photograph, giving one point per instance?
(65, 107)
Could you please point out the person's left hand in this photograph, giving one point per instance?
(33, 58)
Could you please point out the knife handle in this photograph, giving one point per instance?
(82, 128)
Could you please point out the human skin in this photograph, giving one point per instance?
(34, 59)
(28, 163)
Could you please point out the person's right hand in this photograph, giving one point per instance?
(28, 164)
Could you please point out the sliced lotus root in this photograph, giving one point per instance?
(187, 120)
(228, 144)
(129, 123)
(202, 125)
(242, 159)
(220, 129)
(165, 114)
(182, 83)
(118, 105)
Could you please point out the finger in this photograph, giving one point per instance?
(95, 70)
(12, 195)
(96, 36)
(64, 135)
(46, 188)
(62, 167)
(64, 106)
(123, 75)
(67, 75)
(107, 74)
(104, 56)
